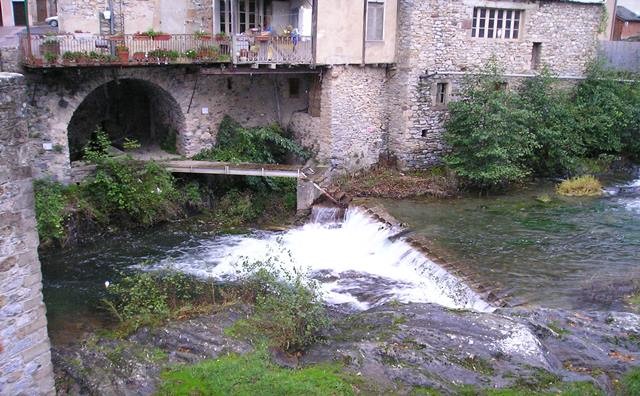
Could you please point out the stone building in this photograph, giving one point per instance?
(351, 80)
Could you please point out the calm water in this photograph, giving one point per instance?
(569, 253)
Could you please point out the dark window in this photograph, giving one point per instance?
(441, 93)
(496, 23)
(536, 53)
(294, 87)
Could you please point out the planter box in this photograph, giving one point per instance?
(162, 37)
(52, 48)
(123, 56)
(141, 37)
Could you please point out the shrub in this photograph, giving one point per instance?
(489, 140)
(50, 210)
(97, 149)
(580, 186)
(288, 307)
(265, 145)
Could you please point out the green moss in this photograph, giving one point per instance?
(253, 374)
(562, 389)
(421, 391)
(560, 331)
(477, 364)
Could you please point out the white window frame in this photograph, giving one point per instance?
(491, 24)
(383, 21)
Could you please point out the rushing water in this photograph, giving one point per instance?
(572, 253)
(567, 253)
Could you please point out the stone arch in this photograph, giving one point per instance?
(127, 107)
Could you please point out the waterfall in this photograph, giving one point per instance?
(354, 261)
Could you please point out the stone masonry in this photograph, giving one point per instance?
(435, 45)
(25, 360)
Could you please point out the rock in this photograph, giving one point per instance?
(399, 346)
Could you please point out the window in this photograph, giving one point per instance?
(536, 52)
(224, 17)
(375, 20)
(442, 93)
(294, 87)
(247, 15)
(496, 23)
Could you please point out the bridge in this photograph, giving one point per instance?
(309, 178)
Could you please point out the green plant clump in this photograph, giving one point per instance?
(288, 307)
(502, 136)
(50, 210)
(631, 382)
(266, 145)
(582, 186)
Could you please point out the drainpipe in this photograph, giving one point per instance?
(26, 14)
(364, 33)
(314, 32)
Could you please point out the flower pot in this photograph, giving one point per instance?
(162, 37)
(204, 37)
(123, 56)
(139, 57)
(141, 37)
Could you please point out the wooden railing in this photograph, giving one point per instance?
(272, 49)
(130, 49)
(83, 49)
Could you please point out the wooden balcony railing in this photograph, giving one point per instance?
(83, 49)
(272, 49)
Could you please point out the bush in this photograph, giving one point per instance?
(265, 145)
(580, 187)
(498, 137)
(98, 147)
(490, 142)
(50, 205)
(288, 305)
(149, 298)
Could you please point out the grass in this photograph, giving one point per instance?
(583, 186)
(253, 374)
(631, 382)
(563, 389)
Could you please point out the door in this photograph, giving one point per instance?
(42, 10)
(1, 24)
(19, 16)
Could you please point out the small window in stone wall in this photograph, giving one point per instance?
(442, 93)
(294, 87)
(495, 23)
(536, 53)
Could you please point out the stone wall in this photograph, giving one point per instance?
(435, 40)
(198, 101)
(351, 130)
(25, 360)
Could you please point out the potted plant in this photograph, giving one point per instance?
(82, 58)
(158, 36)
(123, 53)
(202, 35)
(143, 36)
(68, 58)
(50, 57)
(140, 57)
(222, 37)
(50, 45)
(191, 54)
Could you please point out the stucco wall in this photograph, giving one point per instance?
(340, 33)
(250, 100)
(175, 16)
(435, 37)
(25, 360)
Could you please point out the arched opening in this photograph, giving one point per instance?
(131, 109)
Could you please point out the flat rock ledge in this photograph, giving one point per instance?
(397, 346)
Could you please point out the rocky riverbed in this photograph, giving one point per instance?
(399, 347)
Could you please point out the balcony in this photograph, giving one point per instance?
(92, 50)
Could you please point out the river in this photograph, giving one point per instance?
(569, 253)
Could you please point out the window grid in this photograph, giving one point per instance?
(441, 93)
(496, 23)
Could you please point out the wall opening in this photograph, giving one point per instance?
(128, 109)
(536, 53)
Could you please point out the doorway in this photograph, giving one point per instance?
(19, 16)
(41, 10)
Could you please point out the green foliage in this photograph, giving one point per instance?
(235, 208)
(150, 298)
(631, 382)
(50, 210)
(490, 142)
(141, 193)
(97, 149)
(498, 137)
(164, 54)
(288, 307)
(168, 144)
(265, 145)
(253, 374)
(131, 144)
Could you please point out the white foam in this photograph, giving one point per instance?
(357, 256)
